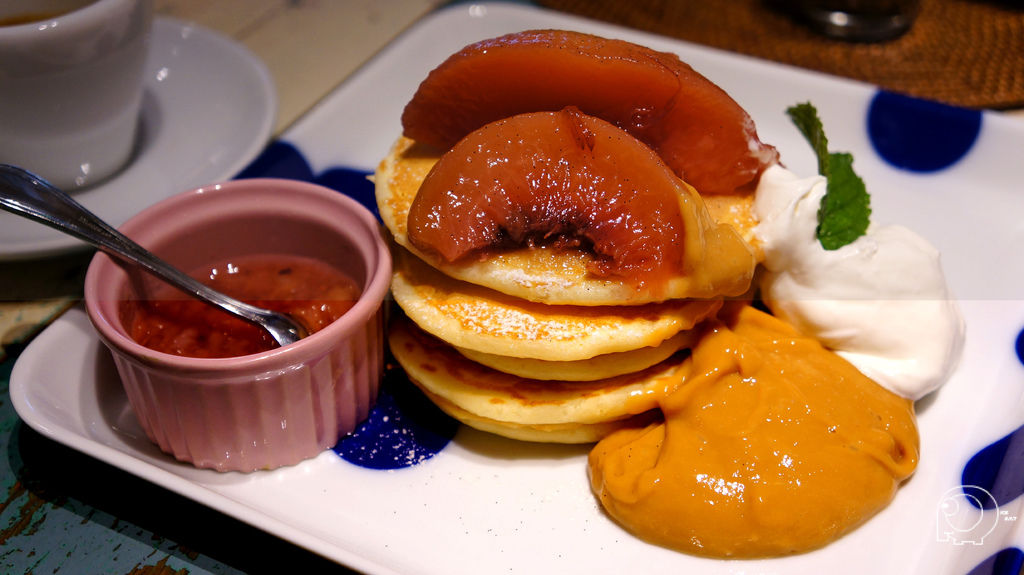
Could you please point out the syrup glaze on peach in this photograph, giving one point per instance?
(696, 127)
(569, 181)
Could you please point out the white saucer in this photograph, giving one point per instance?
(208, 110)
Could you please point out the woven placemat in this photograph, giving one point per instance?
(963, 52)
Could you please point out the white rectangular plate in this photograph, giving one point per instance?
(485, 504)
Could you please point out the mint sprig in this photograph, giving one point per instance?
(845, 210)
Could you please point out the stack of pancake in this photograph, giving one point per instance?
(525, 343)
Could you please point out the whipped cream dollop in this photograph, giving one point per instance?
(881, 302)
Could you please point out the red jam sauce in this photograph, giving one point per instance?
(310, 291)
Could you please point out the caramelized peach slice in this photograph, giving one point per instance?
(567, 181)
(700, 132)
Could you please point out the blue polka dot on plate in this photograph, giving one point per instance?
(998, 469)
(1009, 561)
(994, 476)
(920, 135)
(404, 428)
(281, 159)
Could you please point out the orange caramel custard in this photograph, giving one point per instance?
(772, 445)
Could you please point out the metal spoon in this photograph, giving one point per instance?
(27, 195)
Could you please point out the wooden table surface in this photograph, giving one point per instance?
(64, 512)
(67, 513)
(308, 46)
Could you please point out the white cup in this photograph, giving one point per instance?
(71, 86)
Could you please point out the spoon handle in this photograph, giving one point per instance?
(30, 196)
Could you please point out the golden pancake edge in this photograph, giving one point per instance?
(561, 277)
(479, 319)
(522, 408)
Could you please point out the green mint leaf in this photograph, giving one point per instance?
(805, 116)
(845, 210)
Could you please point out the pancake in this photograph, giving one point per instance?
(469, 316)
(553, 433)
(512, 401)
(561, 277)
(598, 367)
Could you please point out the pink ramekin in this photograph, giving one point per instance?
(263, 410)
